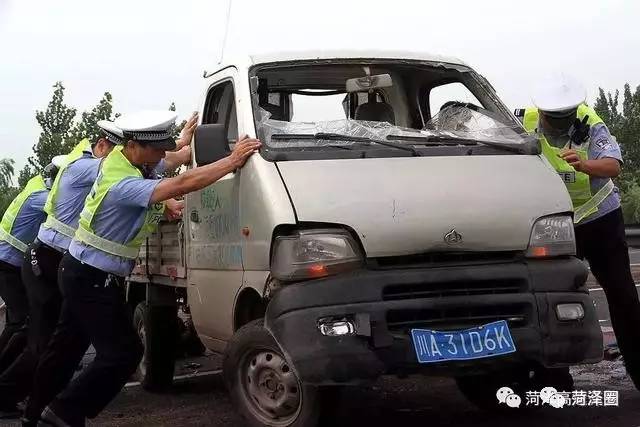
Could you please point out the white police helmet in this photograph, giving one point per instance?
(153, 128)
(558, 93)
(111, 131)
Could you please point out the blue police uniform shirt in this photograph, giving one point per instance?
(25, 226)
(73, 188)
(603, 145)
(118, 219)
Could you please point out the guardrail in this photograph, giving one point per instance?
(633, 235)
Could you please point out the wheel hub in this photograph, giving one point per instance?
(271, 386)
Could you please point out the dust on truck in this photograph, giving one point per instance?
(398, 220)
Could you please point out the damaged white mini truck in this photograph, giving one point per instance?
(397, 221)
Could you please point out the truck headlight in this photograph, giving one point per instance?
(552, 236)
(314, 253)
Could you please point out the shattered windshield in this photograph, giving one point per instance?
(455, 123)
(362, 108)
(462, 121)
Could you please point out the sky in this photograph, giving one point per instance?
(148, 53)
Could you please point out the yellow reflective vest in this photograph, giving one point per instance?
(114, 169)
(52, 221)
(578, 183)
(8, 219)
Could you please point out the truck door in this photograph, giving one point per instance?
(214, 251)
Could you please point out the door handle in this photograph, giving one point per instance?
(194, 216)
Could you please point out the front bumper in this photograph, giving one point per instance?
(387, 304)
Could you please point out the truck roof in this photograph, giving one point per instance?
(246, 61)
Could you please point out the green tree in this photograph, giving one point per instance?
(631, 204)
(6, 197)
(624, 124)
(60, 133)
(7, 191)
(88, 126)
(25, 175)
(6, 173)
(56, 123)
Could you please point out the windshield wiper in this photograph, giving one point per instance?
(339, 137)
(433, 140)
(441, 140)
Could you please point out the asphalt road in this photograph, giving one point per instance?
(198, 398)
(416, 401)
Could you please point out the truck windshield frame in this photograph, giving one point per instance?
(459, 129)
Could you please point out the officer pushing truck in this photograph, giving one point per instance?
(18, 228)
(122, 208)
(40, 263)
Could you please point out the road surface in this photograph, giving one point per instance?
(417, 401)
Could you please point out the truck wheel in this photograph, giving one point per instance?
(481, 389)
(157, 328)
(262, 385)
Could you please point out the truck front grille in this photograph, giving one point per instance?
(443, 259)
(402, 321)
(446, 289)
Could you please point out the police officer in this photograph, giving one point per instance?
(40, 263)
(577, 143)
(122, 208)
(18, 228)
(40, 268)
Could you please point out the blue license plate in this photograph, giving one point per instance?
(492, 339)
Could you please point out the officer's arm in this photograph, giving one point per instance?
(175, 159)
(200, 177)
(606, 167)
(605, 158)
(602, 168)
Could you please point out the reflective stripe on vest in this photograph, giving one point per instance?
(592, 204)
(105, 245)
(578, 183)
(8, 219)
(114, 169)
(59, 226)
(49, 206)
(13, 241)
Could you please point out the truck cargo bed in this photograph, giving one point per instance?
(162, 258)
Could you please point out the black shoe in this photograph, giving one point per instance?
(51, 418)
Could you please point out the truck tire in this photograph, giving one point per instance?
(481, 389)
(262, 385)
(157, 328)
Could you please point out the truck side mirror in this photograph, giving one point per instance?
(210, 143)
